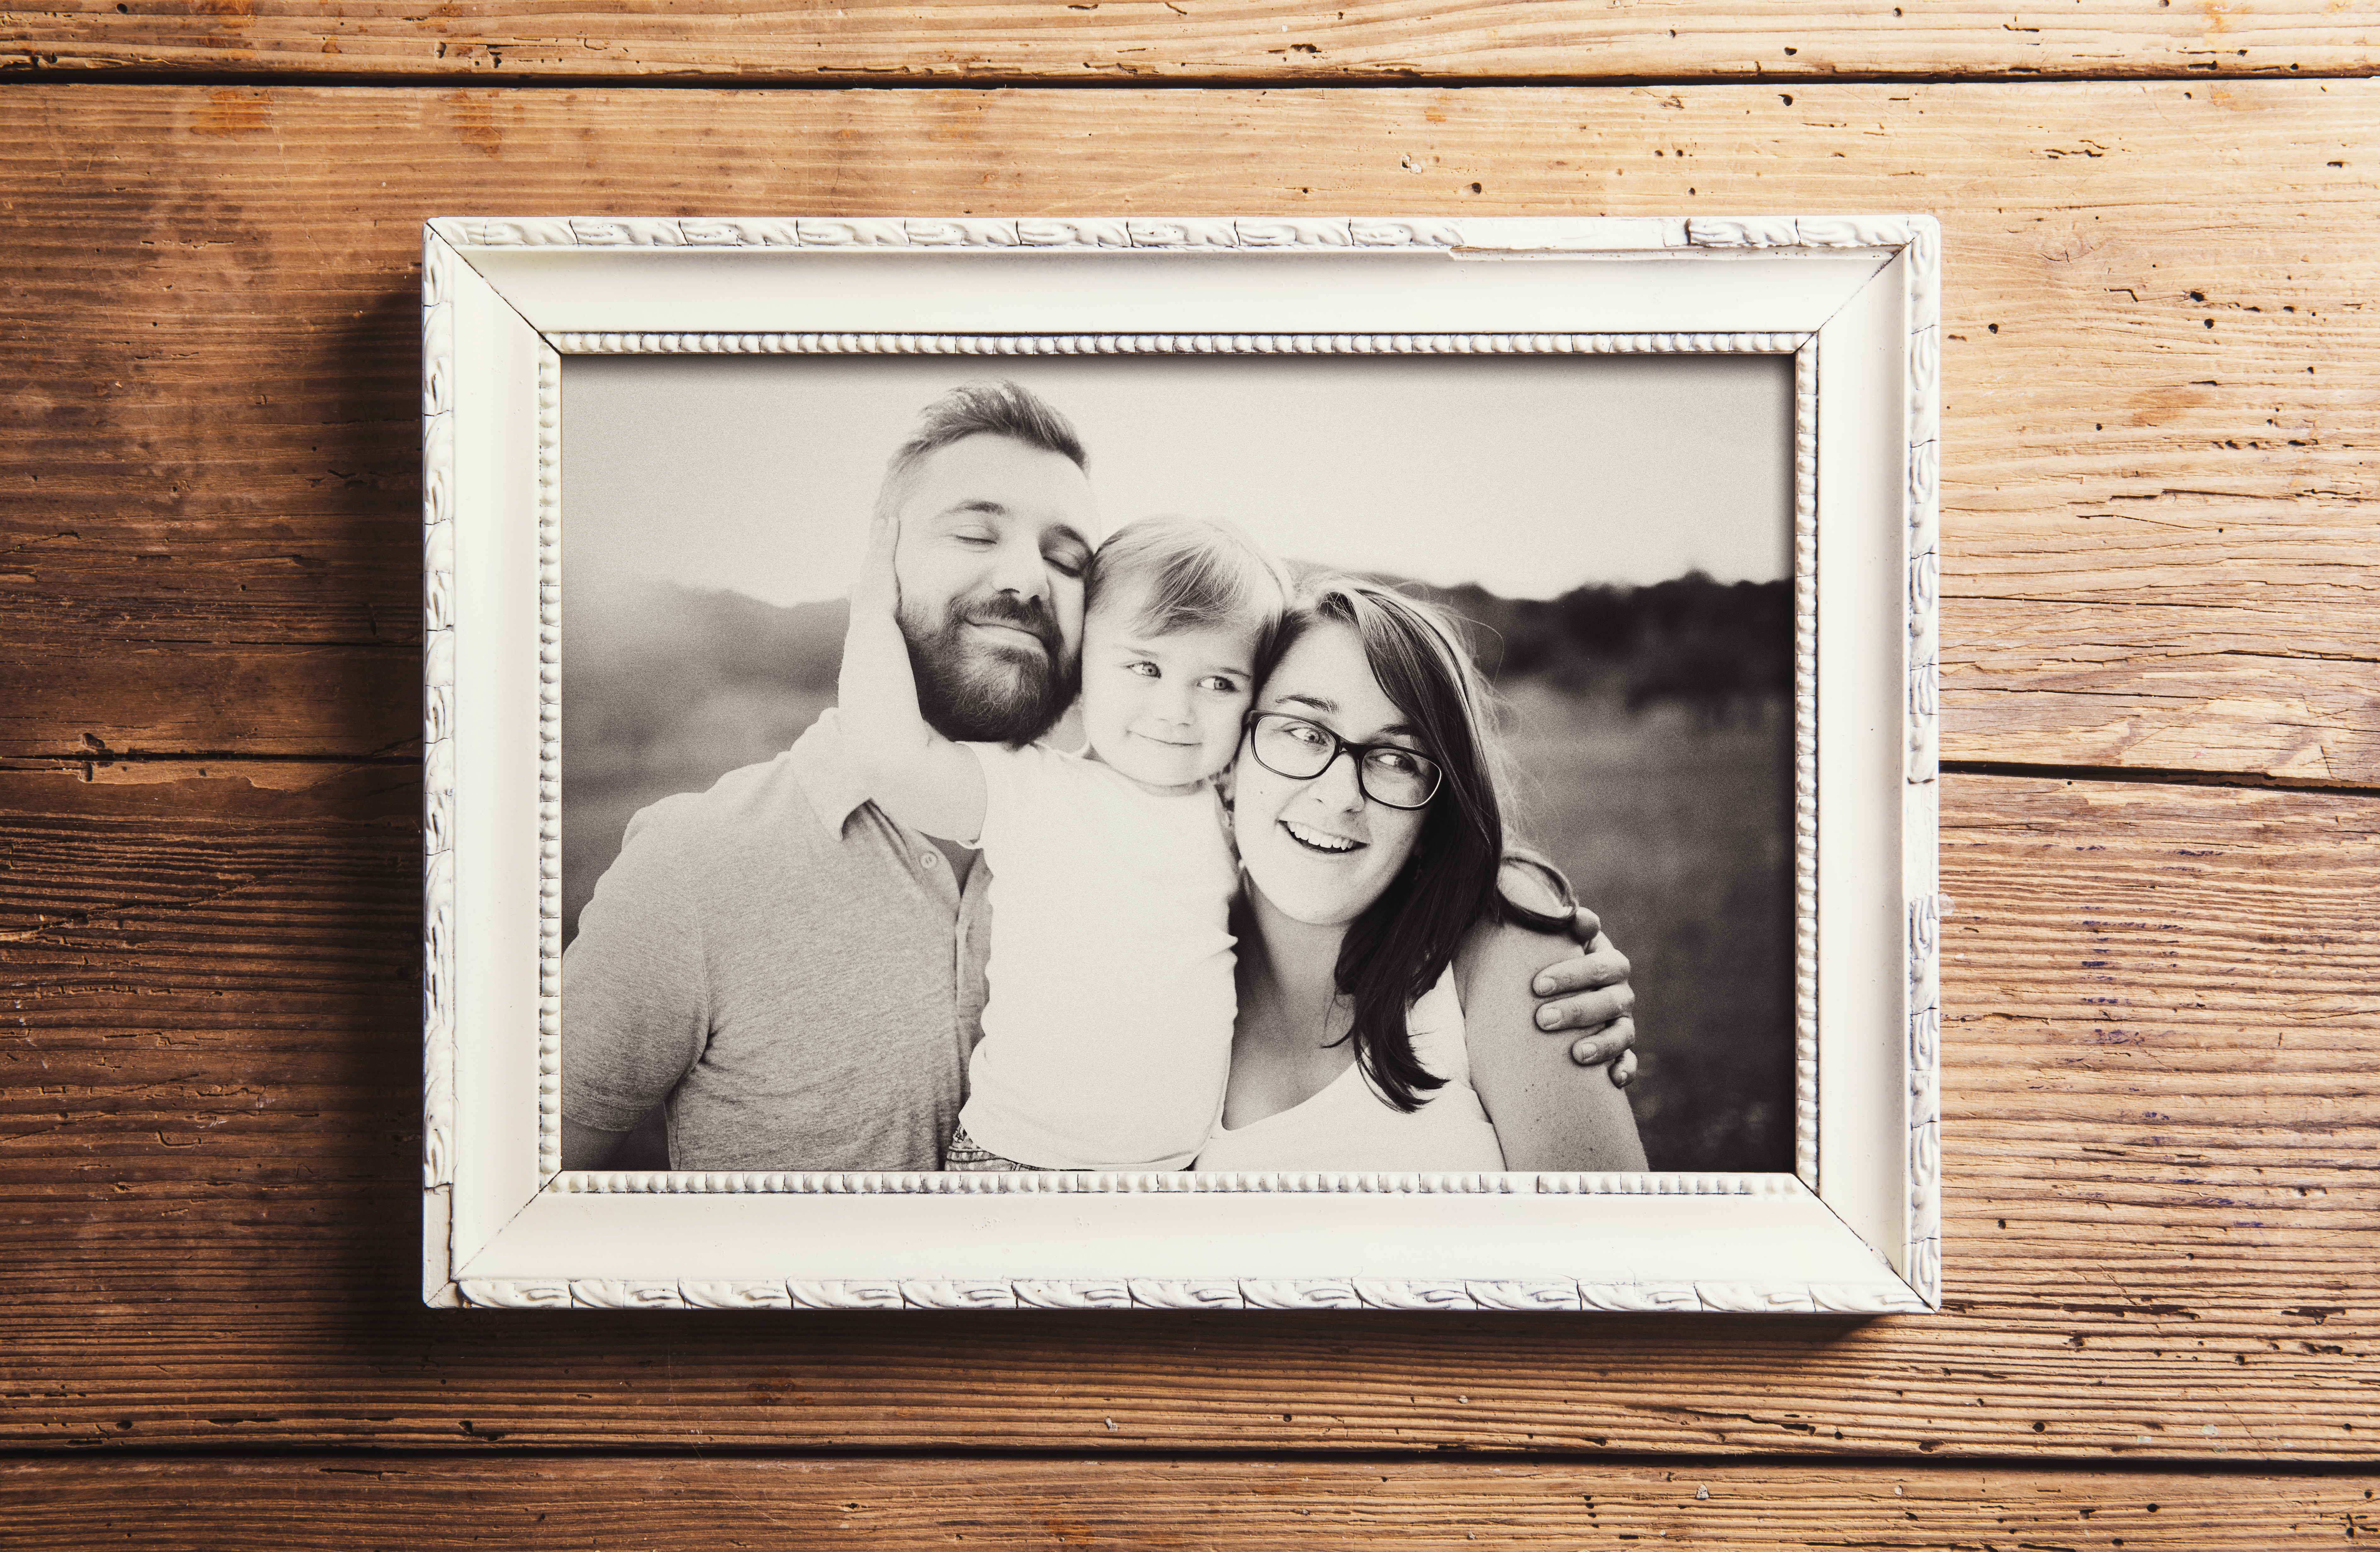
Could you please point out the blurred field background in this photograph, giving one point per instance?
(1651, 726)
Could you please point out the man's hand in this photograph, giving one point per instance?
(877, 594)
(1589, 992)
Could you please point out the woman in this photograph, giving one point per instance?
(1384, 1017)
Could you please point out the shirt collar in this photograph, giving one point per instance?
(823, 767)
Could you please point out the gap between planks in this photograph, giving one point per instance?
(17, 76)
(334, 1457)
(2150, 776)
(2020, 770)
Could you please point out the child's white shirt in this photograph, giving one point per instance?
(1108, 1035)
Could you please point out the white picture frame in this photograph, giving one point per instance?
(1855, 1229)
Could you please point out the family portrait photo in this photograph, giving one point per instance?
(1212, 762)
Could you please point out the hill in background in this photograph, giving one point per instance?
(666, 670)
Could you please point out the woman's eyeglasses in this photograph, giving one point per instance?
(1390, 773)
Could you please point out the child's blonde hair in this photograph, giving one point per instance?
(1176, 573)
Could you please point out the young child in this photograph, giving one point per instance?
(1108, 1035)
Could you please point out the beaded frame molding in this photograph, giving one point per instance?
(483, 278)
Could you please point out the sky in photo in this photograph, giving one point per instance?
(1528, 475)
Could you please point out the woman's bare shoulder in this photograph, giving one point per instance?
(1549, 1114)
(1497, 965)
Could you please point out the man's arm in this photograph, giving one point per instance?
(587, 1147)
(912, 772)
(639, 1001)
(1588, 991)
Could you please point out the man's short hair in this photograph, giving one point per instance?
(991, 407)
(1187, 574)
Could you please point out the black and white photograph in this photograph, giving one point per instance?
(951, 770)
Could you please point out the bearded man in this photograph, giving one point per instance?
(794, 981)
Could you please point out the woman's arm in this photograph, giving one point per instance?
(1549, 1114)
(912, 772)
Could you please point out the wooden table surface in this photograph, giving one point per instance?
(2161, 806)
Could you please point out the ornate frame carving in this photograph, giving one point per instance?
(466, 255)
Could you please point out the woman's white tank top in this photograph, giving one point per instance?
(1347, 1126)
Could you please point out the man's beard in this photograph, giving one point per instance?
(980, 692)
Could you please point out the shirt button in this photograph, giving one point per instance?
(929, 858)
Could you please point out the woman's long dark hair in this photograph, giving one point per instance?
(1395, 952)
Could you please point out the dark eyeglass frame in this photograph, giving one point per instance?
(1342, 746)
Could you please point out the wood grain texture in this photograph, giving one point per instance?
(1262, 42)
(342, 1502)
(2160, 1123)
(2160, 1118)
(2160, 368)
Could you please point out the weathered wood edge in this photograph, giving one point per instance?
(328, 1501)
(1229, 43)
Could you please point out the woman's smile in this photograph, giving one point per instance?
(1319, 840)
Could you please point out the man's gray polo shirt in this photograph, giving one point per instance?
(799, 977)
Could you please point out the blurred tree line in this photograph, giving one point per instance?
(1711, 647)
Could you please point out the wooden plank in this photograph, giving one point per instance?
(2159, 1112)
(213, 1505)
(2156, 529)
(1261, 41)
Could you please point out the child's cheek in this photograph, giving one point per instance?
(1231, 716)
(1099, 693)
